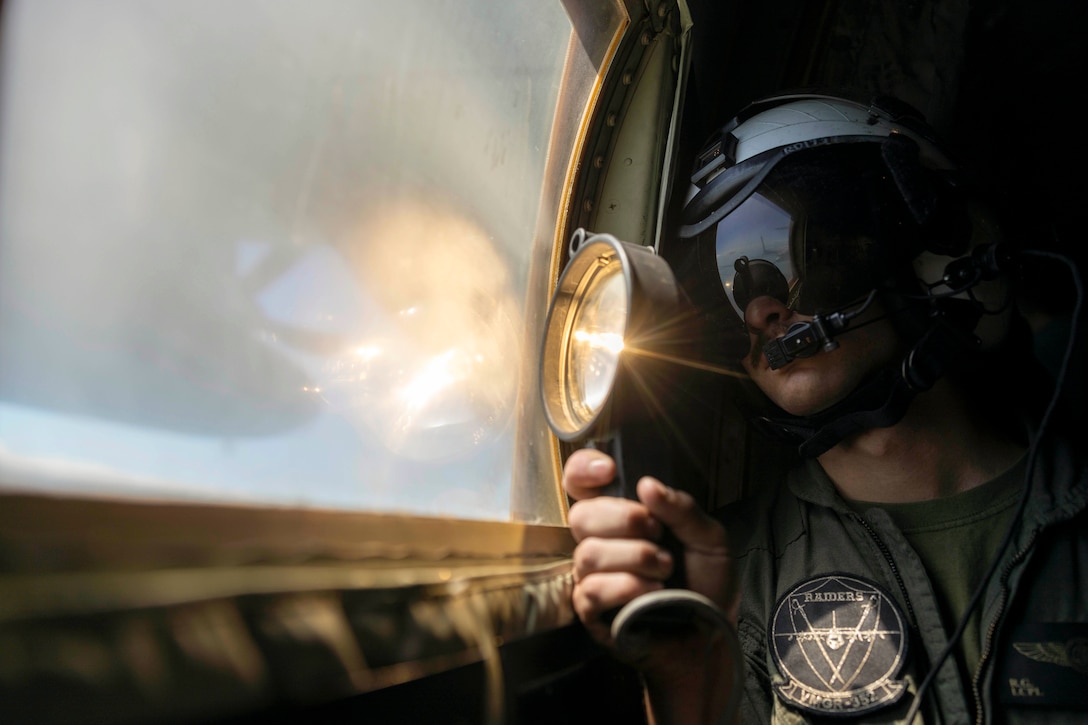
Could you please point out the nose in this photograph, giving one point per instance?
(766, 312)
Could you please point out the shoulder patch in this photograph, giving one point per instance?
(840, 643)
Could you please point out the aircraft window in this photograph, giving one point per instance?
(285, 253)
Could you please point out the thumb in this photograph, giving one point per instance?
(708, 564)
(679, 511)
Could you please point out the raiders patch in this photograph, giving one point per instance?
(839, 642)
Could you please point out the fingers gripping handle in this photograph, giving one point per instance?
(639, 451)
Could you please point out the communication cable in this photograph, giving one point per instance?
(1028, 476)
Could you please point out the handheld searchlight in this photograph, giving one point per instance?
(612, 377)
(607, 375)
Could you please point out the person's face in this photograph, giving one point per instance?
(809, 385)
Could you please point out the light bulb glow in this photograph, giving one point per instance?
(597, 340)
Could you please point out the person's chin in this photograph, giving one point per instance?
(798, 391)
(803, 406)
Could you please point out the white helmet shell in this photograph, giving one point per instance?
(807, 119)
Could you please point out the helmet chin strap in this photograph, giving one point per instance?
(879, 402)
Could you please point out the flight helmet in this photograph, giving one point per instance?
(831, 205)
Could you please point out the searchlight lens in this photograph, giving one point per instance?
(612, 297)
(596, 341)
(584, 337)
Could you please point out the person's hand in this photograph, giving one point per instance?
(618, 556)
(690, 675)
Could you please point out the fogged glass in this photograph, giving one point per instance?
(273, 252)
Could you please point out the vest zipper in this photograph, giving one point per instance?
(991, 629)
(888, 559)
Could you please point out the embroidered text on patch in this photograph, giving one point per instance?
(839, 641)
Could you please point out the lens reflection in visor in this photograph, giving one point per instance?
(829, 219)
(596, 341)
(758, 230)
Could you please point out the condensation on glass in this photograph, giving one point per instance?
(286, 253)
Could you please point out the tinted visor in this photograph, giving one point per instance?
(818, 234)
